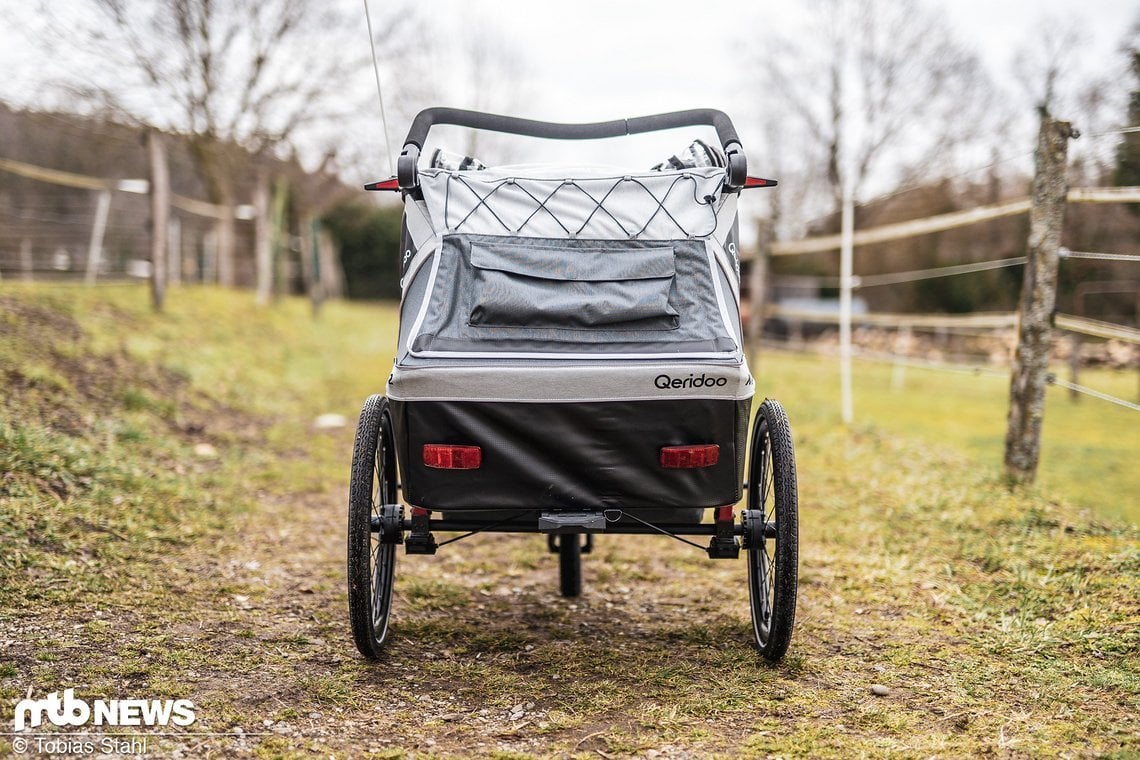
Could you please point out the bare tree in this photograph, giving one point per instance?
(1127, 164)
(1043, 66)
(494, 69)
(873, 85)
(483, 70)
(1055, 78)
(238, 78)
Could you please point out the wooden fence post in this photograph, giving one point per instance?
(263, 239)
(279, 232)
(846, 284)
(26, 266)
(758, 288)
(98, 229)
(331, 274)
(225, 242)
(1038, 298)
(159, 216)
(174, 247)
(1074, 365)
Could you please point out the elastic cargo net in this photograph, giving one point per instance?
(654, 206)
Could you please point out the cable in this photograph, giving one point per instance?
(920, 185)
(889, 278)
(958, 369)
(872, 280)
(976, 370)
(1054, 380)
(379, 91)
(926, 185)
(1121, 131)
(650, 525)
(1065, 253)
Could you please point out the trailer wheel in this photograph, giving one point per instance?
(570, 564)
(371, 555)
(771, 536)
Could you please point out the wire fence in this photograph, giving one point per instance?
(61, 225)
(92, 227)
(1065, 253)
(955, 368)
(994, 326)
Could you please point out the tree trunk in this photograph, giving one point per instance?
(1038, 298)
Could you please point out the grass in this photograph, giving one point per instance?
(139, 562)
(1089, 447)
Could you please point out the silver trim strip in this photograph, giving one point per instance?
(570, 383)
(555, 355)
(424, 306)
(720, 295)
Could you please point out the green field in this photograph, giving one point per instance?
(1090, 454)
(172, 525)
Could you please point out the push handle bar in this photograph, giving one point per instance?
(426, 119)
(490, 122)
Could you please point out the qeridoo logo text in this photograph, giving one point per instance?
(70, 711)
(692, 381)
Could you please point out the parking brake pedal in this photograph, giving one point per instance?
(572, 522)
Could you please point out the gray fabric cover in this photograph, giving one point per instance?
(493, 294)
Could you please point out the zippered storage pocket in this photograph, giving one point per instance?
(522, 285)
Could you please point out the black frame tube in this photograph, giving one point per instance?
(477, 526)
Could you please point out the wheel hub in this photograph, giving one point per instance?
(754, 528)
(391, 523)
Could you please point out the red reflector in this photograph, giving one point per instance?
(725, 514)
(387, 184)
(759, 182)
(447, 457)
(688, 457)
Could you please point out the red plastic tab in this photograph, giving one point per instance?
(444, 456)
(387, 184)
(759, 182)
(689, 457)
(724, 514)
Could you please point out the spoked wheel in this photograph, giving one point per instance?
(372, 555)
(771, 531)
(570, 564)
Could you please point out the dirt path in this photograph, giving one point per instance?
(654, 660)
(903, 586)
(485, 656)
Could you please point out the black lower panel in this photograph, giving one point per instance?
(577, 455)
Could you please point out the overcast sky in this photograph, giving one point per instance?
(590, 60)
(602, 59)
(593, 58)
